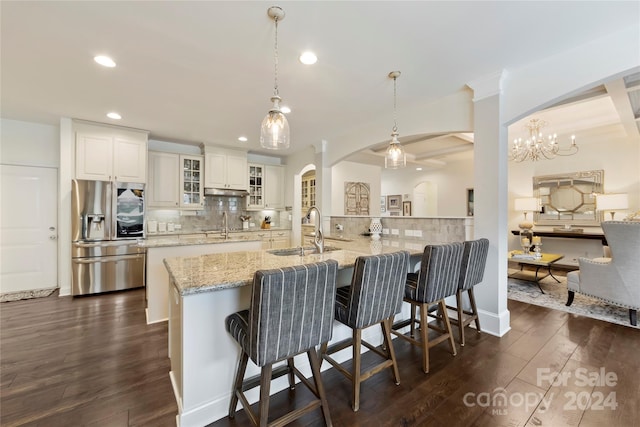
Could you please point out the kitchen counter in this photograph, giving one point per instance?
(205, 289)
(201, 237)
(213, 272)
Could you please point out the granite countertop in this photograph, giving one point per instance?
(213, 272)
(201, 238)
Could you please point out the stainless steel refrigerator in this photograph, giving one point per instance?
(107, 218)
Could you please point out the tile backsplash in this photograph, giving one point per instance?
(210, 217)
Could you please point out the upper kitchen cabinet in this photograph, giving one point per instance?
(109, 153)
(225, 169)
(163, 189)
(191, 182)
(266, 186)
(175, 181)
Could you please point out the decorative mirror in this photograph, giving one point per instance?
(568, 199)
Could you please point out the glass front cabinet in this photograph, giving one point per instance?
(191, 182)
(255, 199)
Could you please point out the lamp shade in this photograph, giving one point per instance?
(527, 204)
(609, 202)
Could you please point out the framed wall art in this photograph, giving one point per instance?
(393, 202)
(406, 208)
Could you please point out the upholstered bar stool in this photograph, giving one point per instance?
(474, 260)
(291, 313)
(374, 297)
(436, 280)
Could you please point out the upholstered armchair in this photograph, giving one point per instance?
(617, 279)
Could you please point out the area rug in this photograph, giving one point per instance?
(36, 293)
(555, 297)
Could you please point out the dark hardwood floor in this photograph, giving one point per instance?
(93, 361)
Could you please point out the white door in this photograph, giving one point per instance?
(28, 228)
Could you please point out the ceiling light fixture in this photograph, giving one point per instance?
(396, 156)
(308, 58)
(113, 115)
(285, 109)
(105, 61)
(242, 139)
(537, 147)
(274, 132)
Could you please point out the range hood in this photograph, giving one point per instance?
(224, 192)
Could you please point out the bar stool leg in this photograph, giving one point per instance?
(357, 336)
(237, 383)
(459, 309)
(292, 377)
(472, 300)
(424, 337)
(314, 361)
(386, 332)
(445, 316)
(265, 389)
(413, 320)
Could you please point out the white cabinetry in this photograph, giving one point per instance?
(175, 181)
(225, 170)
(266, 187)
(191, 189)
(163, 189)
(110, 153)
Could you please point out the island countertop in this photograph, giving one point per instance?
(213, 272)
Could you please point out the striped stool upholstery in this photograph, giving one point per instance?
(436, 280)
(474, 260)
(291, 313)
(374, 297)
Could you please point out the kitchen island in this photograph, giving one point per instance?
(205, 289)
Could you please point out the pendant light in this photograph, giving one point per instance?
(395, 157)
(274, 132)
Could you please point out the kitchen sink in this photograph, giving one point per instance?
(296, 251)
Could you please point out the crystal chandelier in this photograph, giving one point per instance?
(539, 147)
(395, 156)
(274, 132)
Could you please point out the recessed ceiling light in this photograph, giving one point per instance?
(105, 61)
(308, 58)
(242, 139)
(114, 116)
(418, 169)
(285, 109)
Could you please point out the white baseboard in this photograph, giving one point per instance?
(495, 324)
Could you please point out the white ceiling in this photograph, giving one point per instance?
(203, 71)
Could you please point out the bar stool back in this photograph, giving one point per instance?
(291, 313)
(474, 260)
(374, 297)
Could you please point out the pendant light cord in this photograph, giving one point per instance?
(275, 87)
(395, 123)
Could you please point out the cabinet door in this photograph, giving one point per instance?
(280, 239)
(129, 160)
(163, 188)
(215, 170)
(191, 188)
(94, 157)
(237, 173)
(265, 236)
(255, 199)
(274, 187)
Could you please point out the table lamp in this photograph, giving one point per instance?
(612, 202)
(527, 204)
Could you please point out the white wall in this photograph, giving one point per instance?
(32, 144)
(355, 172)
(450, 183)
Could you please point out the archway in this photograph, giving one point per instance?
(296, 210)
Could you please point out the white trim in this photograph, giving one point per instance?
(487, 86)
(495, 324)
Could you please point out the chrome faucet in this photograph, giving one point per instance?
(318, 238)
(225, 225)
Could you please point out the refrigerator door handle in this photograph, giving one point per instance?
(117, 258)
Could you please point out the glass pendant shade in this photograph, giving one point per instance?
(274, 132)
(395, 157)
